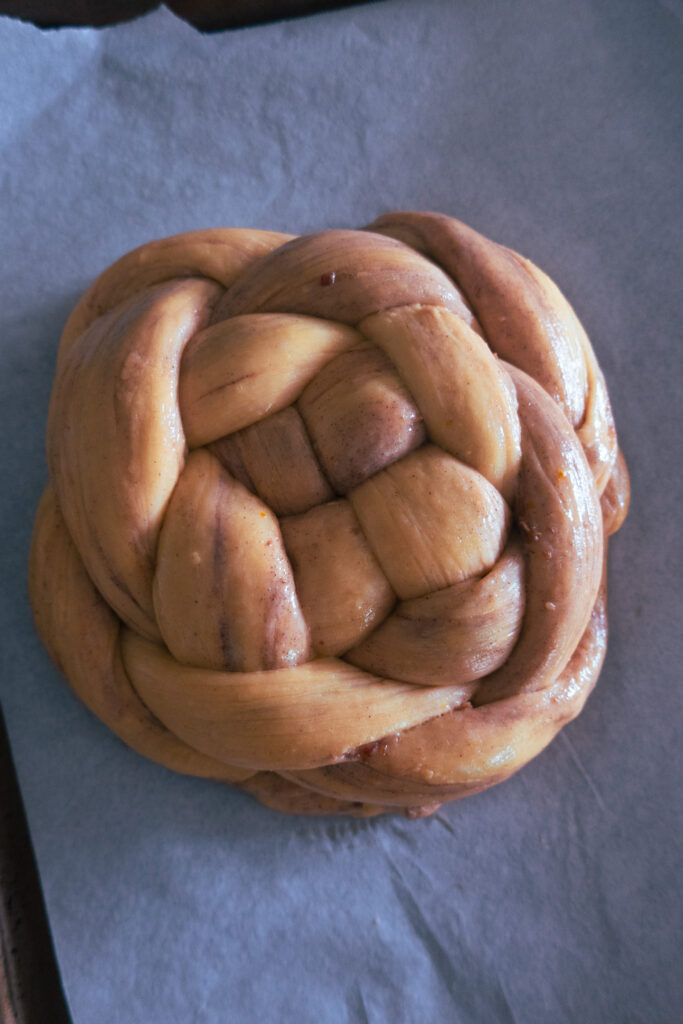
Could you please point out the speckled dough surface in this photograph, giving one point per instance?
(327, 516)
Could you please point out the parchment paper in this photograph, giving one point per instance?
(554, 127)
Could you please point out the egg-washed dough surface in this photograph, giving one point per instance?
(327, 515)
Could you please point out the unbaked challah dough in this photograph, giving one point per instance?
(327, 515)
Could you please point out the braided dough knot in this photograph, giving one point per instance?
(327, 515)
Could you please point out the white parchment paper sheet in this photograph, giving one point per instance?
(554, 127)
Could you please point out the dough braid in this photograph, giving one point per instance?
(327, 515)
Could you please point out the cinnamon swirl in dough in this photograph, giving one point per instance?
(327, 516)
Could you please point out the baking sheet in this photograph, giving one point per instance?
(553, 127)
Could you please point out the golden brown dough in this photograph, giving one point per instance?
(327, 516)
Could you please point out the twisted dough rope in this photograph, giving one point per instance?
(322, 522)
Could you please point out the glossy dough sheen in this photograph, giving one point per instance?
(327, 515)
